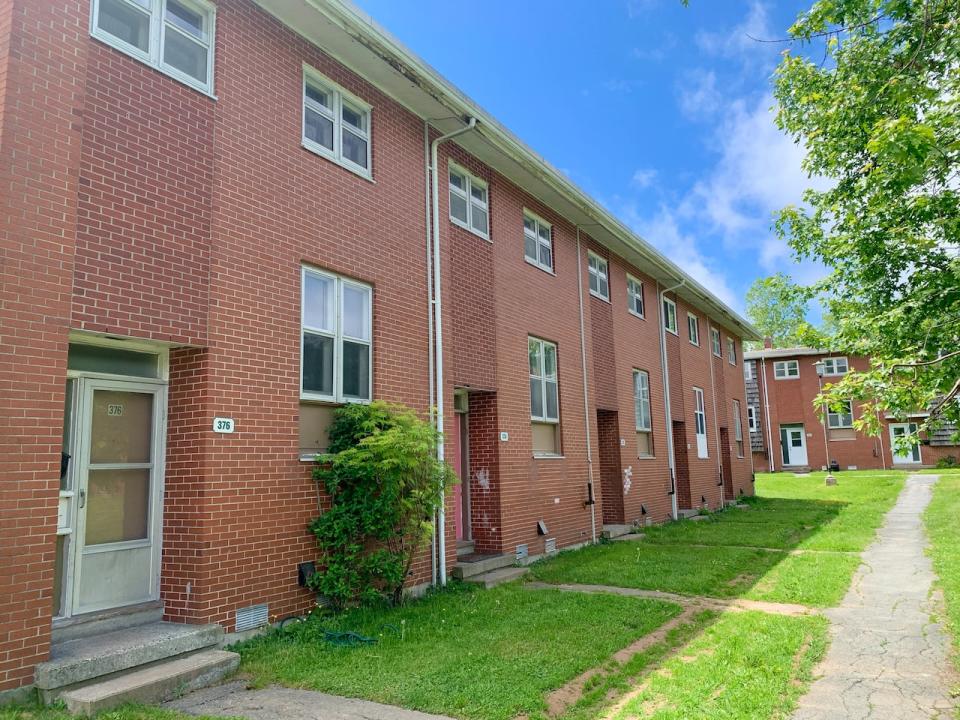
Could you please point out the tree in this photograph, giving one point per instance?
(778, 309)
(385, 483)
(878, 111)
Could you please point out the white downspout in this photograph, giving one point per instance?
(883, 456)
(665, 370)
(430, 405)
(438, 338)
(586, 399)
(771, 463)
(716, 419)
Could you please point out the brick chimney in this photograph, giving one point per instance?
(767, 343)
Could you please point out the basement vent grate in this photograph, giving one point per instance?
(550, 546)
(522, 552)
(252, 617)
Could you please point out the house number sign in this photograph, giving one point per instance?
(115, 410)
(223, 425)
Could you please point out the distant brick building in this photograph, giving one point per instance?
(217, 228)
(786, 431)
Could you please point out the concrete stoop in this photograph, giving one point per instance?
(629, 536)
(144, 663)
(611, 531)
(498, 577)
(471, 565)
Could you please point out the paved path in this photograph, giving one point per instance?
(233, 699)
(887, 658)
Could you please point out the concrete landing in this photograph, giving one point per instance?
(497, 577)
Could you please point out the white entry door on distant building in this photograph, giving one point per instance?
(911, 456)
(793, 444)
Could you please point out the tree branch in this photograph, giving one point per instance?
(925, 363)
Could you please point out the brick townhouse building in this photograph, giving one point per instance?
(218, 224)
(787, 432)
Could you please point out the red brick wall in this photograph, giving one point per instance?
(734, 388)
(484, 473)
(608, 447)
(43, 50)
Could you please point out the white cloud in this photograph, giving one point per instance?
(643, 178)
(636, 8)
(740, 41)
(699, 97)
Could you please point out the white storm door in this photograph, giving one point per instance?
(119, 494)
(900, 430)
(796, 440)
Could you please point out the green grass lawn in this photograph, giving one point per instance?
(944, 532)
(35, 712)
(746, 665)
(713, 557)
(489, 655)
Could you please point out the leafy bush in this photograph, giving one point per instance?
(948, 461)
(385, 484)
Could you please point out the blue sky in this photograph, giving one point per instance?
(662, 113)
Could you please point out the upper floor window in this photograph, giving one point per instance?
(752, 425)
(174, 36)
(835, 366)
(670, 315)
(748, 370)
(537, 241)
(335, 123)
(336, 319)
(469, 202)
(841, 415)
(693, 328)
(599, 278)
(786, 369)
(715, 342)
(732, 351)
(635, 296)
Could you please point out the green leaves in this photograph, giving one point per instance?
(384, 484)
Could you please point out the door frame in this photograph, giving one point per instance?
(898, 459)
(786, 428)
(68, 520)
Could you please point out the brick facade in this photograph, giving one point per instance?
(169, 216)
(791, 402)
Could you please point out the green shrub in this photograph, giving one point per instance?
(385, 485)
(946, 462)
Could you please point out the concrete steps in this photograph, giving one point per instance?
(143, 663)
(464, 547)
(152, 684)
(498, 577)
(471, 565)
(629, 537)
(614, 531)
(107, 621)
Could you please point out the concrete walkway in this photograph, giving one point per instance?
(233, 699)
(887, 658)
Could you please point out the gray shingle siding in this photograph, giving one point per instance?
(753, 400)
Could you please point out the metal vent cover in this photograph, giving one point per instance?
(252, 617)
(522, 552)
(550, 546)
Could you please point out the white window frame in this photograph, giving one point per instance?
(737, 428)
(748, 370)
(693, 329)
(634, 294)
(467, 195)
(641, 401)
(337, 336)
(715, 342)
(669, 310)
(157, 37)
(700, 423)
(338, 97)
(731, 351)
(595, 273)
(752, 424)
(538, 224)
(838, 420)
(786, 370)
(544, 380)
(830, 366)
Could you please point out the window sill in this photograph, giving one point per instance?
(538, 266)
(109, 41)
(598, 296)
(636, 314)
(695, 344)
(672, 332)
(787, 378)
(321, 151)
(646, 457)
(548, 456)
(472, 231)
